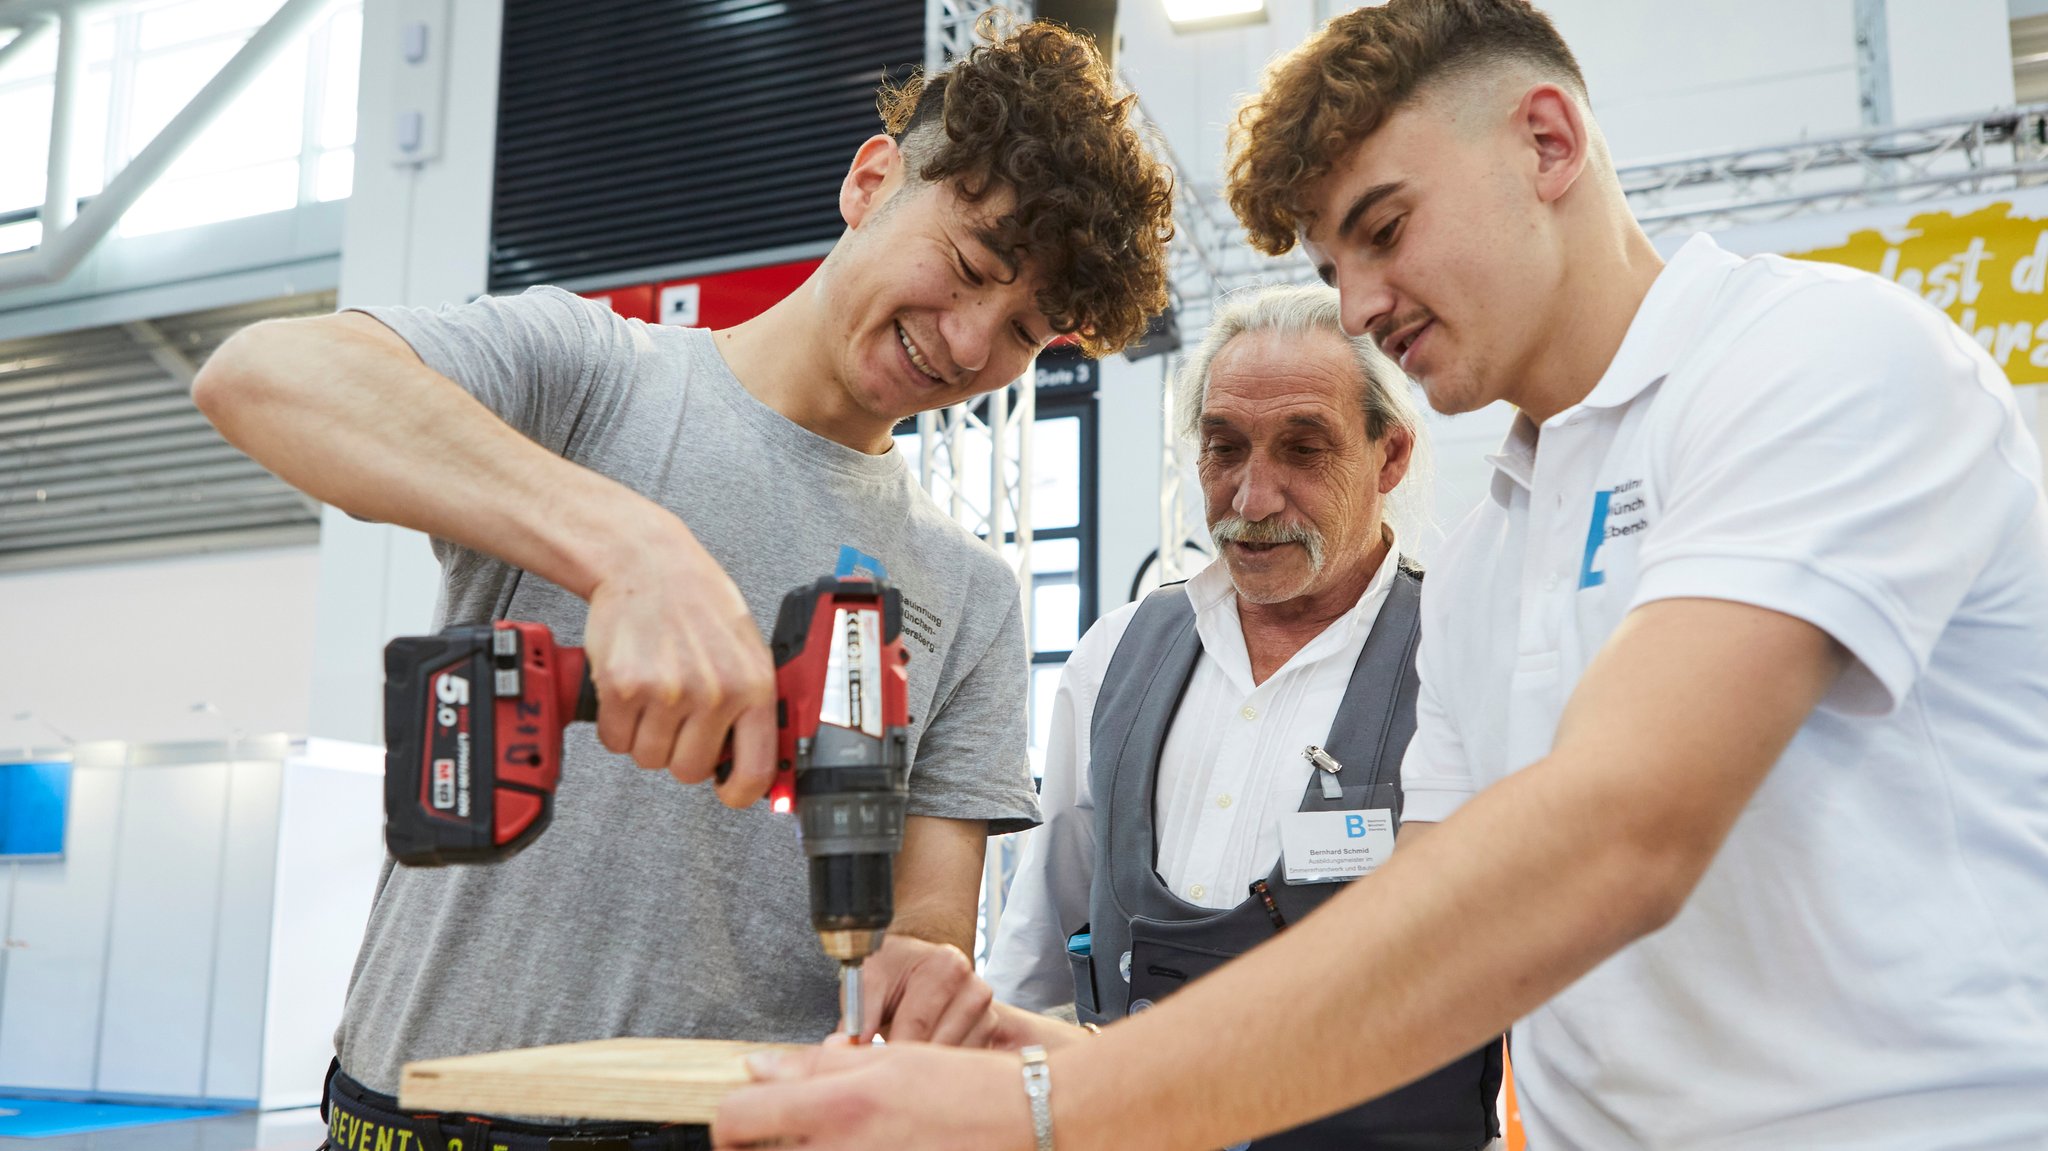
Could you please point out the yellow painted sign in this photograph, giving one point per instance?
(1988, 270)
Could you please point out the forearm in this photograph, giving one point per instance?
(341, 409)
(938, 880)
(1471, 925)
(952, 929)
(1439, 951)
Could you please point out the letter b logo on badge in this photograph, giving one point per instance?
(1354, 827)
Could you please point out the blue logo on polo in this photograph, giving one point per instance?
(857, 564)
(1595, 536)
(1634, 519)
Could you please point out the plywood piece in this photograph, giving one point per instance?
(645, 1080)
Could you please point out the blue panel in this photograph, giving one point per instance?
(34, 798)
(37, 1118)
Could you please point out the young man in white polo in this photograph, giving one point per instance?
(1735, 688)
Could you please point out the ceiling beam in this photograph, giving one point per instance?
(167, 355)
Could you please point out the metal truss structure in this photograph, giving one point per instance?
(949, 27)
(1995, 152)
(975, 459)
(977, 464)
(69, 234)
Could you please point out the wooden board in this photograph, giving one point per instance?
(649, 1080)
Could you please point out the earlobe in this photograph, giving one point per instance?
(866, 179)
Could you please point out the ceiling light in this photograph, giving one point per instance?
(1195, 15)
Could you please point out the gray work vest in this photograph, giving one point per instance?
(1146, 942)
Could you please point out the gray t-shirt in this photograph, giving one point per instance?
(649, 908)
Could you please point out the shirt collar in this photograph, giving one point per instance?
(1677, 303)
(1664, 325)
(1222, 632)
(1515, 462)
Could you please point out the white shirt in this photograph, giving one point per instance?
(1230, 767)
(1865, 963)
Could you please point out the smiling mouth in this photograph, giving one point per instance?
(1404, 344)
(917, 359)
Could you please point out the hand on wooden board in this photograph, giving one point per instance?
(924, 992)
(905, 1097)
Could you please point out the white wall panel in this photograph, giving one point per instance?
(1947, 56)
(1669, 77)
(161, 951)
(1127, 492)
(123, 651)
(234, 1030)
(1776, 109)
(8, 874)
(330, 851)
(196, 940)
(50, 1009)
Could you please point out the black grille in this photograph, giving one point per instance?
(634, 134)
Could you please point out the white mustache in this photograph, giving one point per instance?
(1236, 529)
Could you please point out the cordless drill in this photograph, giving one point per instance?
(473, 722)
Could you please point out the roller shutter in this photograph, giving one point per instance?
(636, 136)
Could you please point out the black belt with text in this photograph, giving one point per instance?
(359, 1119)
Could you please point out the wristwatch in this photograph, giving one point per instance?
(1038, 1088)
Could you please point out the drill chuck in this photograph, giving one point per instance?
(850, 812)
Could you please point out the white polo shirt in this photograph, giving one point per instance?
(1865, 963)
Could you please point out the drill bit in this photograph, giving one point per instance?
(849, 999)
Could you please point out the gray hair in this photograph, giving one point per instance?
(1387, 396)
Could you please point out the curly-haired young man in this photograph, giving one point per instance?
(651, 493)
(1729, 782)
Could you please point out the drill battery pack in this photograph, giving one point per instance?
(476, 781)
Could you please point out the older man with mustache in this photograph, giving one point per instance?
(1225, 755)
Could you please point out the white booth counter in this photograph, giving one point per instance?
(193, 942)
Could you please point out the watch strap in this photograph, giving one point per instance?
(1038, 1089)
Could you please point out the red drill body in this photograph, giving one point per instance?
(474, 716)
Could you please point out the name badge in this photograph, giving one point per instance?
(1320, 846)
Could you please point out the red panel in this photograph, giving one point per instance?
(635, 302)
(728, 298)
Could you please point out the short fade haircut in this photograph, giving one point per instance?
(1036, 111)
(1385, 394)
(1326, 97)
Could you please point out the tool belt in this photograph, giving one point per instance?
(359, 1119)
